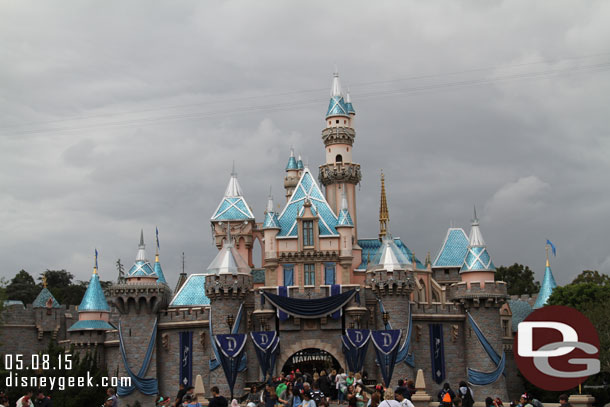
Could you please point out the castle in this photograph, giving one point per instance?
(311, 250)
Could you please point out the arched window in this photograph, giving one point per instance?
(338, 158)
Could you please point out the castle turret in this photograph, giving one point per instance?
(384, 213)
(344, 227)
(227, 283)
(548, 284)
(292, 174)
(339, 170)
(233, 216)
(141, 271)
(482, 297)
(157, 269)
(271, 227)
(47, 313)
(93, 318)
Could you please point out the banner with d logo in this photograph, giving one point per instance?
(231, 347)
(355, 345)
(386, 346)
(266, 344)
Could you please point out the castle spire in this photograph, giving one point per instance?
(335, 90)
(158, 270)
(337, 105)
(477, 255)
(548, 284)
(344, 217)
(233, 205)
(384, 214)
(292, 161)
(141, 255)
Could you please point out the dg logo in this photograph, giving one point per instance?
(556, 348)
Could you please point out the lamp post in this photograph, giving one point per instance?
(386, 317)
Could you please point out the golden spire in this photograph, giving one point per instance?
(95, 265)
(384, 214)
(547, 255)
(44, 280)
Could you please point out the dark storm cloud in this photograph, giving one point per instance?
(123, 116)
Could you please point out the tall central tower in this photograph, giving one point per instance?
(339, 171)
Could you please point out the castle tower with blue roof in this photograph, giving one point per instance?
(548, 284)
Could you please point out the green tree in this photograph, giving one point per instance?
(22, 288)
(592, 276)
(519, 279)
(580, 296)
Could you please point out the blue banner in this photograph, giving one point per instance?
(335, 289)
(329, 273)
(266, 345)
(437, 352)
(186, 358)
(282, 291)
(230, 348)
(386, 346)
(355, 345)
(288, 275)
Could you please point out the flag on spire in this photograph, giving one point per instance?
(96, 258)
(157, 234)
(554, 250)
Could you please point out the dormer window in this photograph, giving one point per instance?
(308, 233)
(339, 158)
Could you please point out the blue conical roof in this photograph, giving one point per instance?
(477, 256)
(141, 267)
(233, 205)
(548, 285)
(43, 297)
(94, 298)
(337, 105)
(292, 162)
(454, 249)
(159, 271)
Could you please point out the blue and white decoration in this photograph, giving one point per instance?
(186, 358)
(231, 347)
(386, 346)
(482, 378)
(355, 345)
(148, 386)
(437, 352)
(403, 354)
(215, 362)
(266, 344)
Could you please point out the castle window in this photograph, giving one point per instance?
(329, 273)
(308, 233)
(344, 121)
(337, 121)
(339, 158)
(505, 327)
(288, 274)
(309, 274)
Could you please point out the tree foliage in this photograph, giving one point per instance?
(592, 276)
(22, 287)
(519, 279)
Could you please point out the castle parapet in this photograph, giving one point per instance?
(475, 291)
(148, 297)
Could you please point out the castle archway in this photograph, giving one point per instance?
(309, 354)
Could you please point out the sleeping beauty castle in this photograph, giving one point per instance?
(327, 296)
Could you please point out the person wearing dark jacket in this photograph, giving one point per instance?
(42, 400)
(325, 385)
(217, 400)
(465, 393)
(446, 396)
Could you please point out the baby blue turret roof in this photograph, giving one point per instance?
(271, 220)
(337, 105)
(94, 298)
(454, 248)
(141, 267)
(344, 217)
(477, 256)
(548, 285)
(292, 162)
(233, 205)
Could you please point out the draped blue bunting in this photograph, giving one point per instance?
(355, 344)
(335, 289)
(477, 377)
(386, 346)
(437, 352)
(282, 291)
(266, 345)
(186, 358)
(148, 386)
(214, 363)
(403, 354)
(313, 308)
(231, 347)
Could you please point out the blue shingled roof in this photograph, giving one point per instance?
(233, 208)
(548, 285)
(344, 218)
(337, 107)
(307, 188)
(43, 297)
(292, 163)
(159, 272)
(478, 259)
(520, 309)
(370, 247)
(94, 298)
(453, 250)
(350, 108)
(91, 325)
(271, 221)
(192, 292)
(300, 165)
(141, 269)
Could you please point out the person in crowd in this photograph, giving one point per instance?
(296, 398)
(316, 394)
(234, 403)
(350, 379)
(217, 400)
(524, 401)
(411, 386)
(333, 389)
(325, 385)
(28, 403)
(404, 402)
(298, 385)
(180, 394)
(316, 379)
(190, 401)
(446, 396)
(498, 402)
(269, 396)
(341, 385)
(253, 396)
(358, 379)
(307, 389)
(489, 402)
(375, 399)
(42, 400)
(360, 396)
(402, 388)
(107, 402)
(111, 394)
(388, 399)
(307, 400)
(466, 394)
(285, 398)
(280, 388)
(563, 400)
(4, 401)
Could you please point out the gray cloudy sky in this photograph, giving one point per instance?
(116, 116)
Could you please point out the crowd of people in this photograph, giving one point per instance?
(298, 389)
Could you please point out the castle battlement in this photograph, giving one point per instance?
(477, 289)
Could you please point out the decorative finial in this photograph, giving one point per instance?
(546, 247)
(95, 266)
(384, 214)
(428, 259)
(44, 280)
(142, 238)
(158, 246)
(182, 262)
(475, 219)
